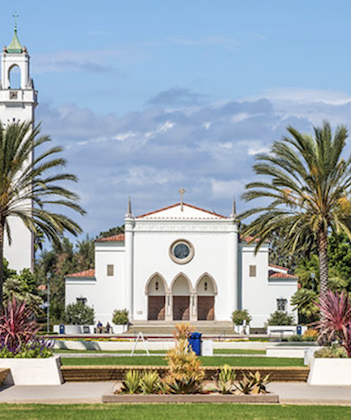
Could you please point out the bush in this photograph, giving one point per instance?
(120, 317)
(241, 315)
(78, 314)
(333, 352)
(280, 318)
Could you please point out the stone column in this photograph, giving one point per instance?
(129, 236)
(193, 307)
(169, 307)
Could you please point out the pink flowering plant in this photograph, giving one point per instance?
(335, 319)
(18, 333)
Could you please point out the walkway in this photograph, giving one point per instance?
(91, 392)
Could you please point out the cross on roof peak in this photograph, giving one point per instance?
(181, 192)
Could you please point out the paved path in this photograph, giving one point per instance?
(91, 392)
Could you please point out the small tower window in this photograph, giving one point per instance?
(15, 77)
(252, 271)
(110, 270)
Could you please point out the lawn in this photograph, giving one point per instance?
(160, 361)
(172, 412)
(215, 351)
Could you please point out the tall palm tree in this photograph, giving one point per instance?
(306, 183)
(30, 186)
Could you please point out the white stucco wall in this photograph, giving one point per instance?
(260, 294)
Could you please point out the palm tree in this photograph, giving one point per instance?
(30, 186)
(306, 184)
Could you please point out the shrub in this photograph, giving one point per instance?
(333, 352)
(79, 314)
(280, 318)
(17, 326)
(185, 371)
(241, 315)
(183, 331)
(120, 317)
(253, 383)
(310, 335)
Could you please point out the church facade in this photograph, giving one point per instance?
(18, 100)
(181, 263)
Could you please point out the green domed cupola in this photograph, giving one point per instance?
(15, 46)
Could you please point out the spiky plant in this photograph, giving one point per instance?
(306, 182)
(260, 382)
(17, 326)
(335, 322)
(226, 378)
(30, 186)
(149, 382)
(131, 382)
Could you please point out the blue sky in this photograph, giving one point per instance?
(150, 95)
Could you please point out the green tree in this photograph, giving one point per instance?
(25, 181)
(79, 314)
(111, 232)
(306, 184)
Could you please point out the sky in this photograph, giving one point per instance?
(147, 96)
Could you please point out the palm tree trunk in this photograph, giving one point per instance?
(323, 261)
(2, 230)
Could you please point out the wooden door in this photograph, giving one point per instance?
(205, 308)
(181, 308)
(156, 308)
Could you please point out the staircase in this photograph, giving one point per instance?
(164, 328)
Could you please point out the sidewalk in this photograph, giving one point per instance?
(91, 392)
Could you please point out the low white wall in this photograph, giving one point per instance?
(330, 372)
(33, 371)
(284, 330)
(291, 351)
(152, 345)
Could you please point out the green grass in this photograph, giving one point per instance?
(160, 361)
(172, 412)
(216, 351)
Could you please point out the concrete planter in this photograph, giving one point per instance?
(191, 398)
(283, 331)
(119, 328)
(73, 329)
(330, 372)
(291, 351)
(241, 329)
(33, 371)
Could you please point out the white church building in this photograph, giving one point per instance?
(181, 263)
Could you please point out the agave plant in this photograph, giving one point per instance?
(131, 382)
(17, 326)
(246, 385)
(335, 322)
(226, 378)
(183, 386)
(260, 382)
(149, 382)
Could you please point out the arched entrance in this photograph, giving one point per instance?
(181, 288)
(156, 290)
(206, 289)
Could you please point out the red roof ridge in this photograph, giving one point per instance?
(114, 238)
(282, 276)
(278, 266)
(184, 204)
(85, 273)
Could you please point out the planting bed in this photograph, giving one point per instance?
(192, 398)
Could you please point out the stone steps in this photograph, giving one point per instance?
(116, 373)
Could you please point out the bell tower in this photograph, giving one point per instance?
(17, 104)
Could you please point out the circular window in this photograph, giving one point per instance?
(181, 251)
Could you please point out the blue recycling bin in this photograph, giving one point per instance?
(298, 330)
(195, 342)
(62, 329)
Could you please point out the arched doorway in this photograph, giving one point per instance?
(181, 288)
(206, 289)
(14, 76)
(156, 291)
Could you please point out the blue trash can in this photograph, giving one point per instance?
(195, 342)
(62, 329)
(298, 330)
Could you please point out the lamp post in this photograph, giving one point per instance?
(48, 305)
(313, 277)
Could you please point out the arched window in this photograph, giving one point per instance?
(15, 77)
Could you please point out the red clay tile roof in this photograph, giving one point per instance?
(115, 238)
(279, 266)
(185, 204)
(249, 238)
(275, 275)
(83, 274)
